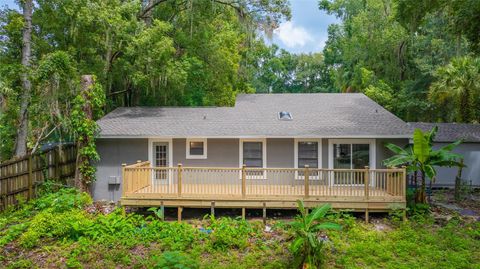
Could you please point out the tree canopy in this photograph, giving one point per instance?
(419, 59)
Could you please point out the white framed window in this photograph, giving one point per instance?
(308, 151)
(196, 148)
(253, 153)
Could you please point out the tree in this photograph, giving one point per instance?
(457, 86)
(87, 108)
(307, 246)
(423, 158)
(185, 53)
(22, 133)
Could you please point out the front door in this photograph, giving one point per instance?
(160, 159)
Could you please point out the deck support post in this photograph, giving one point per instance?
(179, 214)
(264, 213)
(307, 181)
(212, 209)
(244, 184)
(179, 179)
(367, 187)
(162, 209)
(244, 213)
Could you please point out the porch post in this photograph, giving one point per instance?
(307, 181)
(367, 181)
(179, 179)
(404, 179)
(124, 180)
(244, 185)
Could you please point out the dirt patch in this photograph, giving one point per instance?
(444, 204)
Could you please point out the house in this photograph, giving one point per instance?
(469, 149)
(268, 150)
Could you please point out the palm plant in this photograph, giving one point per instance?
(422, 157)
(458, 83)
(307, 246)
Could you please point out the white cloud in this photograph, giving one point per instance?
(293, 36)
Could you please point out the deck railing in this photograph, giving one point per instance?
(248, 183)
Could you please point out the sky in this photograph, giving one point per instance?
(306, 32)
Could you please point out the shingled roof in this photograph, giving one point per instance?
(314, 115)
(450, 132)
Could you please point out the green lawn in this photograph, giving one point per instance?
(56, 231)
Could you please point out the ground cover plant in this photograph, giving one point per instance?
(62, 229)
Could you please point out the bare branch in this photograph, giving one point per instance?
(149, 7)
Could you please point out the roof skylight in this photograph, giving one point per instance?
(284, 115)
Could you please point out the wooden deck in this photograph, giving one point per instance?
(197, 187)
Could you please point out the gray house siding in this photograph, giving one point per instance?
(220, 153)
(114, 152)
(280, 152)
(471, 174)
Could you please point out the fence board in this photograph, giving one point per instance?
(19, 177)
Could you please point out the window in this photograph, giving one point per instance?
(307, 152)
(351, 156)
(253, 155)
(196, 149)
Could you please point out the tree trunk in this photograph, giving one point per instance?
(458, 182)
(421, 196)
(22, 131)
(80, 180)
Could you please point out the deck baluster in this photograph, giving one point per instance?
(307, 181)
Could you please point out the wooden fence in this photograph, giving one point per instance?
(19, 177)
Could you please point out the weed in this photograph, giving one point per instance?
(174, 260)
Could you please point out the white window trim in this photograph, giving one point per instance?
(170, 155)
(372, 153)
(187, 148)
(264, 155)
(319, 157)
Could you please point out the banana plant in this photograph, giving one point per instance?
(308, 244)
(423, 158)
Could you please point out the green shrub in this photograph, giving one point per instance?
(63, 200)
(171, 235)
(113, 226)
(230, 233)
(12, 233)
(50, 224)
(174, 260)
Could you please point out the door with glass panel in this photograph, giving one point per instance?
(160, 159)
(350, 156)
